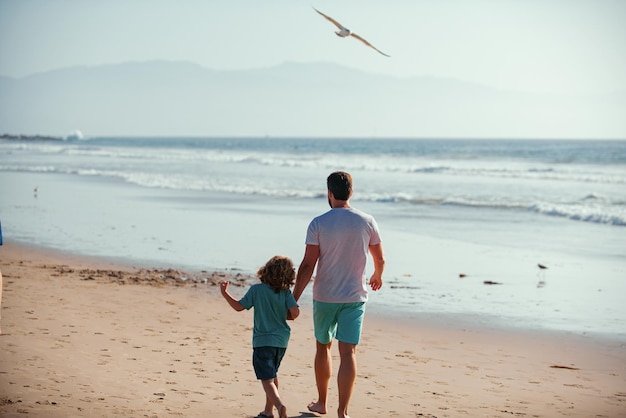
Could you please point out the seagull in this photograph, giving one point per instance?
(344, 32)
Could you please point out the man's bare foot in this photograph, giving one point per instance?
(264, 414)
(316, 407)
(282, 412)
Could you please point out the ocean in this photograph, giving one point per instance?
(465, 223)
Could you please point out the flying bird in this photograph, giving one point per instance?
(344, 32)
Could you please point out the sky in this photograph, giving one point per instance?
(548, 46)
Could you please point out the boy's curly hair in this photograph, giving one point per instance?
(278, 273)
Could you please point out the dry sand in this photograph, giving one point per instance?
(85, 337)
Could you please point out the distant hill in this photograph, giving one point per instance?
(313, 99)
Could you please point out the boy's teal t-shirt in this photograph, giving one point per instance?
(270, 315)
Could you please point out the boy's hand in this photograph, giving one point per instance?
(293, 313)
(224, 286)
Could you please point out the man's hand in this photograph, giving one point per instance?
(376, 282)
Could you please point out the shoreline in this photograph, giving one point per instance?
(76, 345)
(149, 272)
(426, 253)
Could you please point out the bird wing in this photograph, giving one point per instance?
(330, 19)
(368, 44)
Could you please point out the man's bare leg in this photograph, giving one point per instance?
(346, 377)
(323, 371)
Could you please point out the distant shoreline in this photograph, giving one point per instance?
(21, 137)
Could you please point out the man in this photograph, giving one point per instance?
(338, 242)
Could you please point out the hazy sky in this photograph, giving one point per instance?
(564, 46)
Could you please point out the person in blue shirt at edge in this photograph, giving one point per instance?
(273, 304)
(1, 284)
(339, 241)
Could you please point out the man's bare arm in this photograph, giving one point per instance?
(305, 271)
(376, 281)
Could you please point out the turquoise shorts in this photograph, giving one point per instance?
(343, 321)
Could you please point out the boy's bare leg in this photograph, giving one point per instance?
(268, 411)
(272, 398)
(323, 371)
(269, 405)
(282, 412)
(346, 377)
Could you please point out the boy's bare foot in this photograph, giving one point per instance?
(317, 408)
(264, 414)
(282, 412)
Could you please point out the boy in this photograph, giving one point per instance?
(273, 303)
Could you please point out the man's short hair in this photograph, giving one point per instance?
(340, 185)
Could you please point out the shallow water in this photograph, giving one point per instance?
(228, 214)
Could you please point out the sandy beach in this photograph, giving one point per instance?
(89, 337)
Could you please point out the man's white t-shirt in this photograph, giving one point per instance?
(344, 236)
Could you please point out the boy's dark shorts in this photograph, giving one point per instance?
(266, 361)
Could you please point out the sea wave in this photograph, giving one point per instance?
(384, 164)
(611, 212)
(610, 216)
(592, 207)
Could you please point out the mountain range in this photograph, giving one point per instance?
(165, 98)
